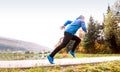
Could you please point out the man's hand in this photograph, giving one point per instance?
(62, 27)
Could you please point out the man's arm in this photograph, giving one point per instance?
(83, 27)
(65, 24)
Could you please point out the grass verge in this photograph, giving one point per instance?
(112, 66)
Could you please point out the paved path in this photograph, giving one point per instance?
(61, 62)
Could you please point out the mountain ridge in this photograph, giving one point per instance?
(9, 44)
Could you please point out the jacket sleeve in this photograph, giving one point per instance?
(67, 22)
(83, 27)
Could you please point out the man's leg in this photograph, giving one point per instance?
(66, 39)
(77, 41)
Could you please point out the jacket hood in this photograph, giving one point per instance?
(78, 18)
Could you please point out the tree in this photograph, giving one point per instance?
(110, 31)
(108, 27)
(117, 5)
(91, 36)
(116, 9)
(111, 28)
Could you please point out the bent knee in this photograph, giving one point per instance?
(79, 40)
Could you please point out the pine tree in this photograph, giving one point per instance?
(108, 27)
(111, 28)
(116, 9)
(109, 9)
(110, 31)
(91, 36)
(117, 5)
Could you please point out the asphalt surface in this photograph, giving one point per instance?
(61, 62)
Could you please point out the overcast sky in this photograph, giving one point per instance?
(38, 21)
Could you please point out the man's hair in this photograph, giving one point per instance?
(81, 16)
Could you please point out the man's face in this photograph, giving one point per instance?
(83, 17)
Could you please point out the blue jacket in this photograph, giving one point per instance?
(75, 25)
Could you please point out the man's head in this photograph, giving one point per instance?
(82, 17)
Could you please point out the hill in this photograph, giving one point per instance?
(11, 45)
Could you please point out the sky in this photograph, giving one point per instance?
(39, 21)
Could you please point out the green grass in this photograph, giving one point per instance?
(31, 56)
(77, 54)
(10, 54)
(96, 55)
(112, 66)
(84, 55)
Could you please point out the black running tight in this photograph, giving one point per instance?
(66, 39)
